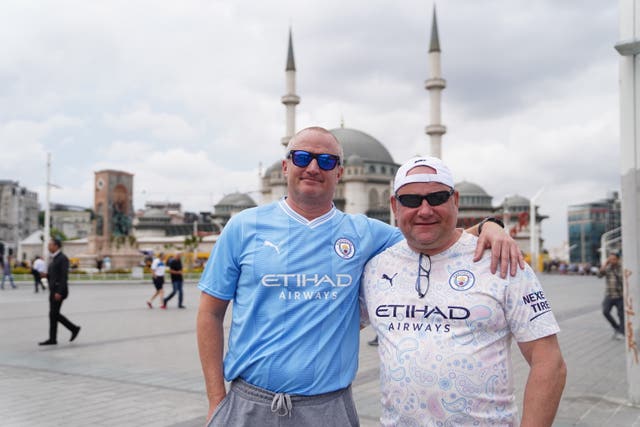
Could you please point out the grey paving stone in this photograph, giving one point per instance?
(135, 366)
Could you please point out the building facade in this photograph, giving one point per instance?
(18, 214)
(369, 168)
(166, 219)
(587, 223)
(74, 222)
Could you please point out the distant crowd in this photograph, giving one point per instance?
(562, 267)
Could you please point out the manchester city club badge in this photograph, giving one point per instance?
(344, 248)
(462, 280)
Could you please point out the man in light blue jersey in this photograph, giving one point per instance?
(292, 269)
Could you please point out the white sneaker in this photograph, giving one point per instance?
(618, 336)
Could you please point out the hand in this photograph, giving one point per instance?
(213, 405)
(503, 249)
(57, 297)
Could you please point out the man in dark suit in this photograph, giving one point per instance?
(57, 275)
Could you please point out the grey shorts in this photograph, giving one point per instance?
(248, 406)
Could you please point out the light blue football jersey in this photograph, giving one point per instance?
(294, 285)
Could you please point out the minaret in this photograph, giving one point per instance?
(435, 84)
(290, 99)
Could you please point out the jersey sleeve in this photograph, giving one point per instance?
(527, 308)
(220, 276)
(385, 235)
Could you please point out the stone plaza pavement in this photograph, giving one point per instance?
(132, 366)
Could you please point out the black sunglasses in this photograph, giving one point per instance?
(415, 200)
(302, 159)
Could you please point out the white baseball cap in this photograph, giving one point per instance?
(443, 173)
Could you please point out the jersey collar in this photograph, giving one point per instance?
(310, 223)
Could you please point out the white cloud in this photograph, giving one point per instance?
(162, 126)
(187, 96)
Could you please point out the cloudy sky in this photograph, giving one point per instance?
(186, 95)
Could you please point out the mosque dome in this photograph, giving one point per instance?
(239, 200)
(275, 167)
(515, 201)
(466, 188)
(515, 204)
(472, 196)
(355, 142)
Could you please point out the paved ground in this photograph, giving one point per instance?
(132, 366)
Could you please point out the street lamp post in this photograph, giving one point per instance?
(534, 243)
(47, 213)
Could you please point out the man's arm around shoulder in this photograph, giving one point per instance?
(211, 347)
(547, 376)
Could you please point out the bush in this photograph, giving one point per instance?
(21, 270)
(118, 271)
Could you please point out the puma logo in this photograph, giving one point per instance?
(272, 245)
(390, 279)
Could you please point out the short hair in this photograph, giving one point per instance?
(56, 241)
(320, 130)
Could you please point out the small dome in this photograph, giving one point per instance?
(466, 188)
(515, 200)
(275, 167)
(472, 196)
(361, 144)
(237, 200)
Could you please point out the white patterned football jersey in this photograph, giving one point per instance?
(446, 357)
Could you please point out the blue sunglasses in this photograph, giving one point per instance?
(302, 159)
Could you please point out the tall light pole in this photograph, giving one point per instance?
(47, 213)
(533, 231)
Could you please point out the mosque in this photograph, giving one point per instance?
(369, 168)
(364, 188)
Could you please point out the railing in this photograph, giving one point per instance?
(90, 277)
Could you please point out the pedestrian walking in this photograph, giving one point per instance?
(58, 278)
(612, 271)
(157, 276)
(38, 269)
(6, 272)
(175, 270)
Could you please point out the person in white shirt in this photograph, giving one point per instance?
(38, 269)
(158, 268)
(445, 323)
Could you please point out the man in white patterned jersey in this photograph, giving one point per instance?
(292, 269)
(445, 323)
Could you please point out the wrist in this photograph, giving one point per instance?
(489, 219)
